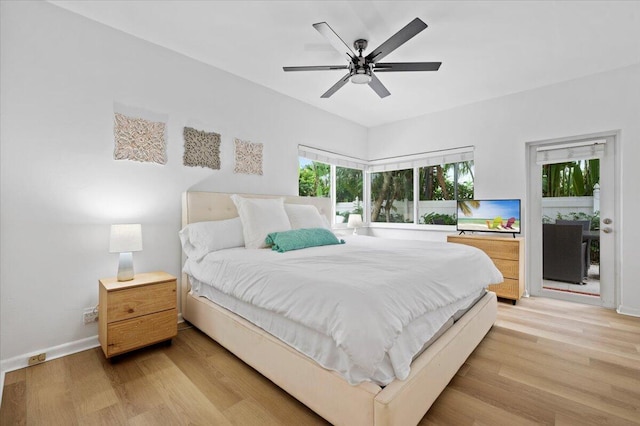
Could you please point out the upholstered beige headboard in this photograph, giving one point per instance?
(203, 206)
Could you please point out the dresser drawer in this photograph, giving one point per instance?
(509, 289)
(135, 333)
(143, 300)
(508, 268)
(504, 249)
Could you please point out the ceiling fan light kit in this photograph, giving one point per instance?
(362, 69)
(363, 78)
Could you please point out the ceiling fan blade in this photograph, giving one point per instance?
(336, 86)
(378, 87)
(317, 68)
(397, 40)
(407, 66)
(333, 38)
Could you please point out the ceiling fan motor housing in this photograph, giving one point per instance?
(360, 45)
(360, 69)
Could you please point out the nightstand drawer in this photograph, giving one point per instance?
(138, 301)
(135, 333)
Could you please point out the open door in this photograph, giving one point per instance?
(584, 150)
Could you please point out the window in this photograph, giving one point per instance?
(348, 193)
(440, 186)
(411, 189)
(314, 178)
(392, 196)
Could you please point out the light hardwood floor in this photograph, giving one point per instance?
(544, 362)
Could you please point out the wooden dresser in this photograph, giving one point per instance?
(137, 313)
(507, 254)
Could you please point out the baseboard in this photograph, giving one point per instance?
(1, 385)
(53, 352)
(634, 312)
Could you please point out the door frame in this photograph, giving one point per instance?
(533, 218)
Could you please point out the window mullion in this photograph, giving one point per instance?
(333, 193)
(416, 194)
(455, 180)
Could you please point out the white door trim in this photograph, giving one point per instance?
(533, 217)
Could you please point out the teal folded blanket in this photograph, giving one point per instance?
(301, 238)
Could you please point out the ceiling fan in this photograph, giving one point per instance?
(361, 69)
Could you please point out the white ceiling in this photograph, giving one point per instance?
(487, 48)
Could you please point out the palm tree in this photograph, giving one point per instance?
(466, 205)
(386, 187)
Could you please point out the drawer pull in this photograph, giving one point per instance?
(131, 310)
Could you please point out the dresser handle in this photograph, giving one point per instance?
(131, 310)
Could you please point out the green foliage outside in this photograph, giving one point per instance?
(570, 179)
(438, 219)
(314, 180)
(348, 185)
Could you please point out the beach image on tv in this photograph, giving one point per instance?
(489, 215)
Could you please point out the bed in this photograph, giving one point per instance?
(399, 402)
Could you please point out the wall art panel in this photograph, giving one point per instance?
(138, 139)
(248, 157)
(201, 148)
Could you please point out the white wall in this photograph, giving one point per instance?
(499, 129)
(61, 189)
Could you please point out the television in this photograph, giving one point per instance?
(502, 216)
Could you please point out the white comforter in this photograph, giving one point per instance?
(362, 294)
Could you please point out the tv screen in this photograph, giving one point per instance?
(489, 216)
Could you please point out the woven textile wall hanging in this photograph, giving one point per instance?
(201, 148)
(248, 157)
(138, 139)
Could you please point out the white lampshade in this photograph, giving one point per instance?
(355, 221)
(125, 238)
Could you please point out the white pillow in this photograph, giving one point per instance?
(260, 216)
(201, 238)
(305, 216)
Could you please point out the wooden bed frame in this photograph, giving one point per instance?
(325, 392)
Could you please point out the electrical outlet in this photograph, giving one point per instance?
(90, 315)
(37, 359)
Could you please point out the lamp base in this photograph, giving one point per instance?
(125, 267)
(355, 231)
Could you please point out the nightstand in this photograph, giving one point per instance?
(137, 313)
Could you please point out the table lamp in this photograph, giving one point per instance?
(355, 221)
(125, 239)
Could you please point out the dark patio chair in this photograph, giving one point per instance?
(563, 253)
(586, 226)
